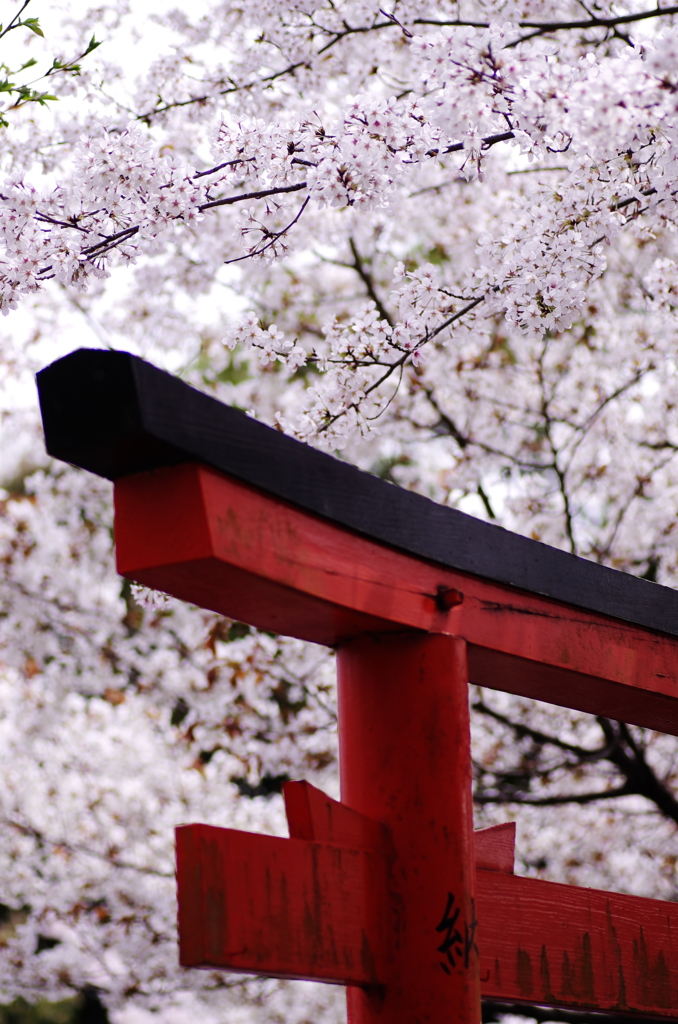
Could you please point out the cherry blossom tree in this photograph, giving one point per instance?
(436, 238)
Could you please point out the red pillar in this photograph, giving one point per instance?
(405, 759)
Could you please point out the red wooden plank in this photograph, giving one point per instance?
(496, 848)
(294, 909)
(560, 945)
(280, 907)
(223, 545)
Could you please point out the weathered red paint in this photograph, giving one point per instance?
(223, 545)
(315, 905)
(280, 907)
(562, 945)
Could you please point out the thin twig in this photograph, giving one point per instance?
(274, 236)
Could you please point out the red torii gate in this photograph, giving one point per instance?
(382, 892)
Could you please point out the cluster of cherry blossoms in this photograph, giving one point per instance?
(536, 270)
(118, 190)
(479, 88)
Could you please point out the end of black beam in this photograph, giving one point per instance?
(95, 412)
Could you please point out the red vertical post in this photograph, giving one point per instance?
(405, 759)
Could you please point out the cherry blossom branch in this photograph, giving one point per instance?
(274, 235)
(539, 28)
(597, 21)
(401, 361)
(262, 194)
(110, 242)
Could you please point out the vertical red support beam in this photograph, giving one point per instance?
(405, 759)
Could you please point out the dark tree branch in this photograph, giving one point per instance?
(361, 270)
(581, 754)
(553, 801)
(484, 497)
(620, 749)
(14, 22)
(220, 167)
(229, 200)
(561, 474)
(108, 242)
(629, 758)
(602, 405)
(487, 142)
(447, 423)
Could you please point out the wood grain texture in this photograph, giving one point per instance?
(283, 908)
(116, 415)
(496, 848)
(314, 816)
(405, 760)
(221, 544)
(561, 945)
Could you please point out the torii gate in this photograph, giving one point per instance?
(382, 892)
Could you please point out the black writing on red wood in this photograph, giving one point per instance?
(458, 944)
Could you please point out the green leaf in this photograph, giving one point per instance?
(34, 25)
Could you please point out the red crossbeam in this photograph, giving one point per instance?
(223, 545)
(318, 905)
